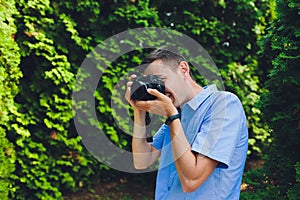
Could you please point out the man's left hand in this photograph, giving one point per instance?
(161, 106)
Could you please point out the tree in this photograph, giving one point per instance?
(283, 101)
(281, 105)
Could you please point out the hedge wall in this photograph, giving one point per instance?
(48, 40)
(9, 77)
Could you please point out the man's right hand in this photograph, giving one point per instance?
(144, 154)
(128, 90)
(138, 112)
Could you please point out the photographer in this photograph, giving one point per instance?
(203, 148)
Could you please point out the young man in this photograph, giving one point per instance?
(203, 149)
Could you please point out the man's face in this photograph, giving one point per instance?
(174, 81)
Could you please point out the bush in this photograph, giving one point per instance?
(294, 191)
(281, 105)
(53, 38)
(9, 76)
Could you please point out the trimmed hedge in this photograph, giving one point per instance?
(46, 44)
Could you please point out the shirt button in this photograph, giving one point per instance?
(184, 120)
(168, 188)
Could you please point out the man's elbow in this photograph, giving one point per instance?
(188, 189)
(140, 166)
(190, 186)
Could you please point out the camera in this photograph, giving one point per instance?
(139, 92)
(142, 83)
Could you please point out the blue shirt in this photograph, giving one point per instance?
(215, 125)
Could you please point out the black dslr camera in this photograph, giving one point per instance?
(139, 92)
(142, 83)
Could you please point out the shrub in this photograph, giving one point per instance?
(9, 76)
(281, 105)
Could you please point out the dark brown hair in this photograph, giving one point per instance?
(166, 55)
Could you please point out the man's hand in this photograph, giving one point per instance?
(128, 90)
(144, 154)
(161, 106)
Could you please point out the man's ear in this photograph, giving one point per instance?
(184, 68)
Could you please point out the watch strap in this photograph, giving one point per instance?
(172, 118)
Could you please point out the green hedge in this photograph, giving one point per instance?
(279, 179)
(9, 77)
(48, 40)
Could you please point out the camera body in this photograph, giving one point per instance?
(142, 83)
(139, 92)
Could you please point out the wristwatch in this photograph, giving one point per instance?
(172, 118)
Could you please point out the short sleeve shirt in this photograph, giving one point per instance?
(215, 125)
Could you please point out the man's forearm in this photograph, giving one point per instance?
(193, 169)
(183, 157)
(142, 150)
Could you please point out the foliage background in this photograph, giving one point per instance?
(45, 42)
(279, 178)
(9, 79)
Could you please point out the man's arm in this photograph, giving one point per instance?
(193, 168)
(144, 154)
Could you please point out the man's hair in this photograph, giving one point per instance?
(166, 55)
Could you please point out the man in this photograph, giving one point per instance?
(203, 149)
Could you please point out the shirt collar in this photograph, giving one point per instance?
(195, 102)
